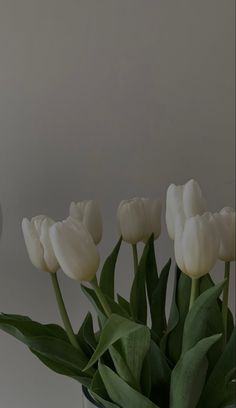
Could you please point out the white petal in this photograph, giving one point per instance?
(193, 201)
(33, 245)
(49, 256)
(74, 250)
(131, 219)
(174, 207)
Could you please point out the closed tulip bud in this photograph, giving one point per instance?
(152, 210)
(196, 244)
(75, 250)
(131, 220)
(183, 201)
(226, 226)
(88, 213)
(38, 244)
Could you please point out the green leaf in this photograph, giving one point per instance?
(152, 274)
(138, 300)
(99, 392)
(134, 348)
(62, 369)
(198, 318)
(22, 328)
(108, 272)
(171, 343)
(122, 368)
(121, 393)
(86, 336)
(91, 295)
(215, 391)
(115, 328)
(160, 375)
(158, 302)
(124, 304)
(188, 376)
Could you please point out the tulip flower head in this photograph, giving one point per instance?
(226, 225)
(138, 219)
(75, 249)
(38, 244)
(88, 213)
(152, 209)
(183, 201)
(196, 244)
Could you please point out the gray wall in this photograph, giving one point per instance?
(103, 99)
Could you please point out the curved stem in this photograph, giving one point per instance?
(135, 257)
(194, 291)
(225, 300)
(101, 297)
(63, 312)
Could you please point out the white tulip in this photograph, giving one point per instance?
(196, 244)
(152, 210)
(75, 250)
(183, 201)
(88, 213)
(226, 225)
(38, 244)
(131, 220)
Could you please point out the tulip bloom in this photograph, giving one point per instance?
(226, 225)
(75, 250)
(131, 220)
(38, 244)
(138, 219)
(196, 244)
(88, 213)
(183, 201)
(152, 210)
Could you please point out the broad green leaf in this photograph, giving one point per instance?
(121, 393)
(215, 390)
(14, 316)
(146, 381)
(122, 368)
(198, 318)
(124, 304)
(99, 392)
(152, 274)
(134, 348)
(59, 351)
(116, 307)
(159, 375)
(21, 328)
(108, 272)
(138, 300)
(188, 376)
(86, 336)
(171, 343)
(206, 282)
(91, 295)
(62, 369)
(115, 328)
(158, 302)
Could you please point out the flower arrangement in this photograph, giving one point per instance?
(139, 357)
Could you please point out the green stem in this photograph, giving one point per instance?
(135, 257)
(225, 300)
(63, 312)
(101, 297)
(194, 291)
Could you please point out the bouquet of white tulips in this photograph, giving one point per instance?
(137, 356)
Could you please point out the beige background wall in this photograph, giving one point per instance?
(103, 99)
